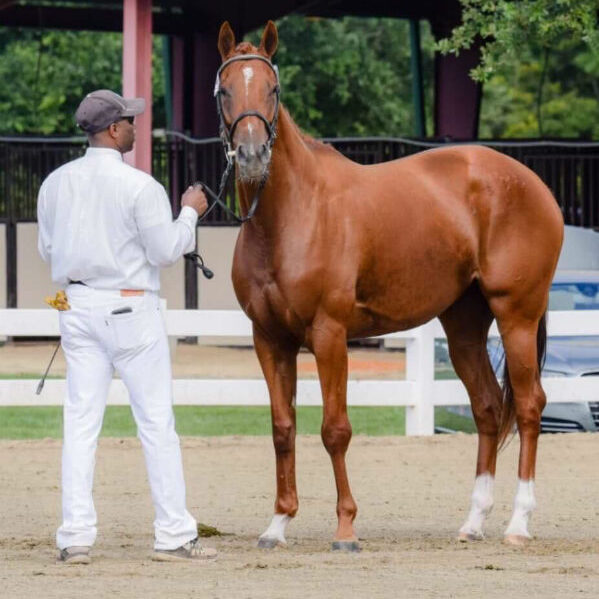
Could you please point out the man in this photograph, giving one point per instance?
(106, 228)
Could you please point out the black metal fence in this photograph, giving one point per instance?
(23, 166)
(570, 169)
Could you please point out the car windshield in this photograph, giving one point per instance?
(574, 296)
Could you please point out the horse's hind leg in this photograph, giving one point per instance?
(329, 343)
(522, 336)
(466, 324)
(279, 365)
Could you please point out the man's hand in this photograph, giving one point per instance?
(194, 198)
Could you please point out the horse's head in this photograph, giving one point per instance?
(247, 95)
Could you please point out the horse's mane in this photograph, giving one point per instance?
(311, 143)
(246, 48)
(316, 144)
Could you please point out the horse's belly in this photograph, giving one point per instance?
(408, 298)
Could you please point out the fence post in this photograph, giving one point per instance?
(420, 370)
(11, 262)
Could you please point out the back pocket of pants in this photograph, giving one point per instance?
(132, 329)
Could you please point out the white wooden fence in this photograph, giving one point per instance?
(419, 392)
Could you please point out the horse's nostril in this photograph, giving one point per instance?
(263, 152)
(242, 153)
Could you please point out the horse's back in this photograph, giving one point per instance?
(432, 223)
(483, 194)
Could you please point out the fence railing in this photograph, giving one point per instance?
(570, 169)
(419, 392)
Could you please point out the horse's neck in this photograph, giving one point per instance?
(282, 194)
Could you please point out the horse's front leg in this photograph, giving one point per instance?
(279, 365)
(329, 343)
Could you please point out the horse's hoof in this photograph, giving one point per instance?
(268, 543)
(347, 546)
(516, 540)
(469, 537)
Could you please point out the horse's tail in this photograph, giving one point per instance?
(508, 412)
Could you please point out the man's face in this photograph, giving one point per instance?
(123, 132)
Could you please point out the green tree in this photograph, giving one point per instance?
(44, 75)
(539, 61)
(504, 27)
(350, 76)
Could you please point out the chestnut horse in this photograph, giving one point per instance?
(336, 250)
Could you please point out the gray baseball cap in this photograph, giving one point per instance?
(100, 108)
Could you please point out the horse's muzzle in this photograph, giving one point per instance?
(252, 160)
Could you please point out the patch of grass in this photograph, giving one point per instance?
(445, 373)
(452, 421)
(46, 421)
(40, 422)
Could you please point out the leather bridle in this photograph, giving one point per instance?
(227, 137)
(227, 133)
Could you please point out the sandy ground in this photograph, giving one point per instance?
(412, 495)
(190, 361)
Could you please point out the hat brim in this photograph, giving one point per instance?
(134, 107)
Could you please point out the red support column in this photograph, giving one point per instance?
(137, 75)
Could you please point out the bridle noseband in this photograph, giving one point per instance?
(227, 133)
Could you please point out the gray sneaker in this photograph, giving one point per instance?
(192, 550)
(74, 555)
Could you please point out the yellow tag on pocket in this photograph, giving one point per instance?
(59, 302)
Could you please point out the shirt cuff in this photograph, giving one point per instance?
(189, 215)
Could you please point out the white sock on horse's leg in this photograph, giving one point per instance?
(276, 530)
(482, 503)
(524, 504)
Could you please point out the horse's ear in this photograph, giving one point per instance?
(270, 39)
(226, 40)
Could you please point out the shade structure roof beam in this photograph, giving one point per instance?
(89, 19)
(175, 17)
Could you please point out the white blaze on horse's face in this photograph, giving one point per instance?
(248, 73)
(248, 87)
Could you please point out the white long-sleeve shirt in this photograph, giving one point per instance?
(108, 224)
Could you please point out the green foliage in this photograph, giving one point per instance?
(350, 76)
(505, 27)
(45, 74)
(344, 77)
(522, 100)
(532, 51)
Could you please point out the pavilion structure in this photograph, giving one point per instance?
(192, 27)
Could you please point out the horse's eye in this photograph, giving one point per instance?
(223, 92)
(275, 90)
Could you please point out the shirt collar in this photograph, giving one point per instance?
(98, 152)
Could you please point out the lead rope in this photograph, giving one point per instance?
(227, 135)
(195, 257)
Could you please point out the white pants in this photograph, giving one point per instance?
(96, 342)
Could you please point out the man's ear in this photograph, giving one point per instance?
(112, 130)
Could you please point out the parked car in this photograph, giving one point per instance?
(566, 356)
